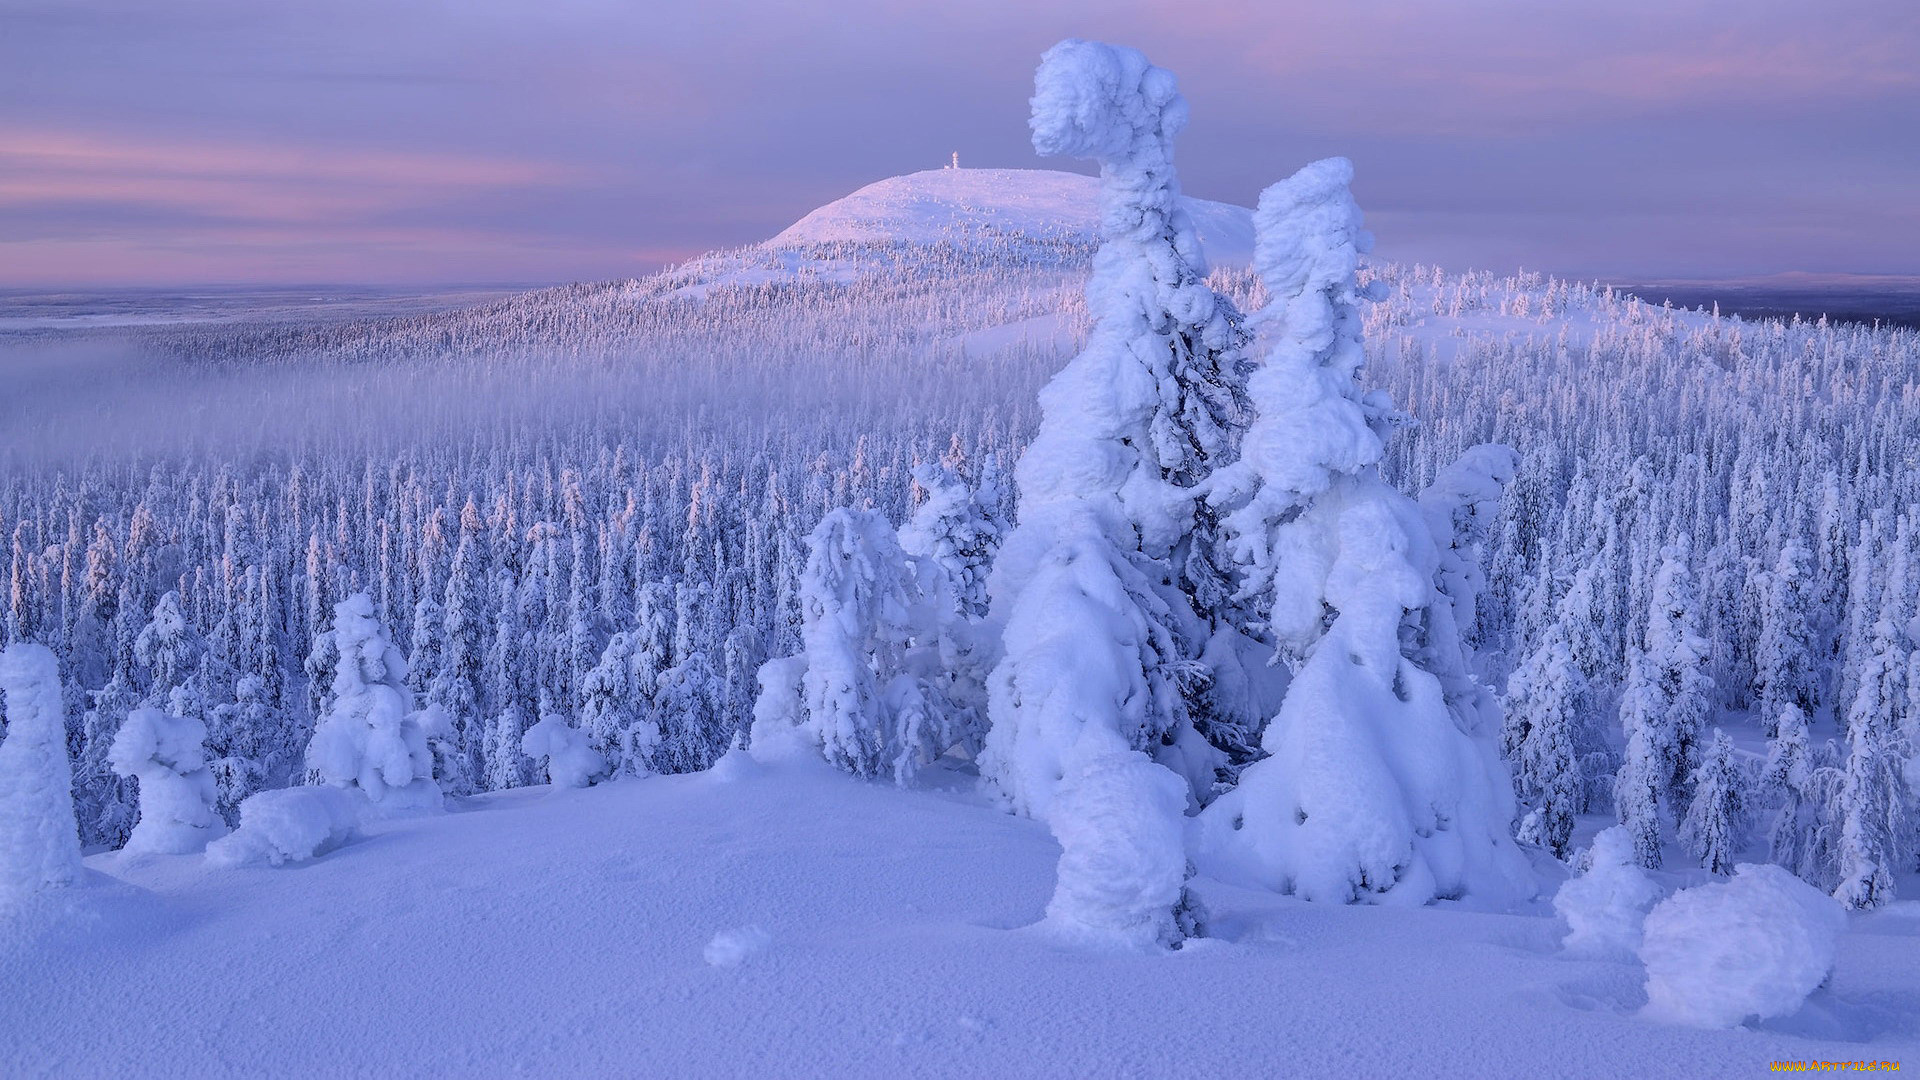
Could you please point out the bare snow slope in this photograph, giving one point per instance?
(789, 921)
(990, 206)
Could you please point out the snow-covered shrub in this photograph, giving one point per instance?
(780, 709)
(1605, 906)
(1376, 786)
(39, 842)
(571, 760)
(1123, 859)
(177, 790)
(1753, 946)
(290, 825)
(368, 738)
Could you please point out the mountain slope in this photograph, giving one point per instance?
(989, 207)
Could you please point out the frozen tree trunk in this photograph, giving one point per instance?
(39, 842)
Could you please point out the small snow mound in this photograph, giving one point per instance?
(1606, 907)
(731, 948)
(290, 825)
(1750, 947)
(734, 765)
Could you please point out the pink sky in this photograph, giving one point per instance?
(363, 141)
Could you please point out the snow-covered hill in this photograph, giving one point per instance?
(790, 921)
(990, 207)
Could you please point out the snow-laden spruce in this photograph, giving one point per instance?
(1376, 786)
(39, 843)
(1540, 732)
(1090, 645)
(369, 738)
(1130, 428)
(1665, 705)
(1753, 946)
(872, 688)
(167, 754)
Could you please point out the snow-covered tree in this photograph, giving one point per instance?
(167, 754)
(952, 530)
(1543, 710)
(1785, 667)
(1875, 805)
(1716, 818)
(690, 713)
(616, 707)
(368, 738)
(1799, 784)
(168, 648)
(249, 744)
(39, 842)
(874, 693)
(1373, 785)
(1667, 701)
(1089, 646)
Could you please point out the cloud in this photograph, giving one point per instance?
(607, 126)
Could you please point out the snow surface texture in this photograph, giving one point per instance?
(569, 757)
(527, 934)
(1606, 905)
(731, 948)
(290, 825)
(1377, 786)
(966, 206)
(39, 843)
(369, 739)
(1753, 946)
(168, 755)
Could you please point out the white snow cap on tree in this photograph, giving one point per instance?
(571, 760)
(1753, 946)
(1376, 787)
(177, 790)
(368, 738)
(39, 841)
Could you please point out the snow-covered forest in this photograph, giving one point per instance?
(519, 485)
(1283, 567)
